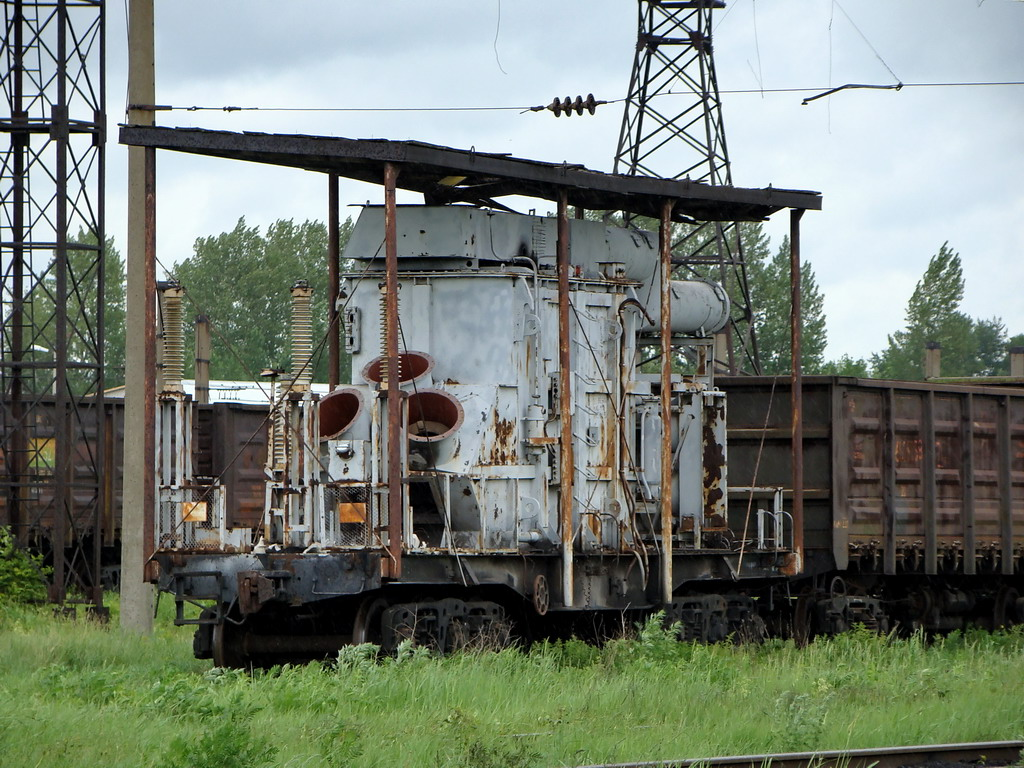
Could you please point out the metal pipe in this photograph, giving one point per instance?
(333, 283)
(1017, 362)
(202, 359)
(392, 391)
(796, 389)
(932, 359)
(665, 253)
(567, 463)
(149, 381)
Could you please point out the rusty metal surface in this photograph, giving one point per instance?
(486, 175)
(796, 387)
(333, 277)
(38, 499)
(895, 478)
(665, 337)
(229, 442)
(231, 445)
(148, 478)
(986, 752)
(714, 469)
(396, 490)
(567, 464)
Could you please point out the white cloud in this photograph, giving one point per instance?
(901, 172)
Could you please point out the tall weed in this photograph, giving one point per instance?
(91, 696)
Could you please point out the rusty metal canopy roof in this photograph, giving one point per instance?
(447, 175)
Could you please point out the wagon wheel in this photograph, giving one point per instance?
(366, 627)
(803, 616)
(837, 588)
(1004, 611)
(227, 646)
(541, 595)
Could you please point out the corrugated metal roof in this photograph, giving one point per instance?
(448, 175)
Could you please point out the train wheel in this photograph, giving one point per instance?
(227, 646)
(541, 595)
(1004, 610)
(803, 616)
(367, 625)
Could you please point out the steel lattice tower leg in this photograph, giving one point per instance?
(672, 126)
(53, 424)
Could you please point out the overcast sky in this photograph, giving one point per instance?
(901, 172)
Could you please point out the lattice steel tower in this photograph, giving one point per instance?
(52, 422)
(672, 126)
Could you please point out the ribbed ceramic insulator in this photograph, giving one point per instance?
(302, 335)
(173, 338)
(384, 339)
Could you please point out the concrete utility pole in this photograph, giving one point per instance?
(140, 348)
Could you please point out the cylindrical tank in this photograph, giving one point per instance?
(696, 307)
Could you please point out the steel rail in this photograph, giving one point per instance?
(985, 752)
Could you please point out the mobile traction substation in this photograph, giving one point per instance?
(504, 463)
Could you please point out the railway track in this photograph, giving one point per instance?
(980, 753)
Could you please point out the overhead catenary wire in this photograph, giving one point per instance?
(535, 108)
(865, 39)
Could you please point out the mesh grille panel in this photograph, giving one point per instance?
(351, 516)
(191, 517)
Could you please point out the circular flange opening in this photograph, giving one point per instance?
(412, 366)
(432, 415)
(338, 412)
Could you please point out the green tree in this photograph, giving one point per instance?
(81, 309)
(847, 366)
(769, 281)
(933, 314)
(990, 348)
(241, 280)
(114, 315)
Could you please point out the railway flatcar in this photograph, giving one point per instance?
(913, 494)
(505, 463)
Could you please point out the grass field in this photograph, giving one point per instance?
(80, 694)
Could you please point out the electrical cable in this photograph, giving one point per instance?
(497, 30)
(865, 39)
(733, 91)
